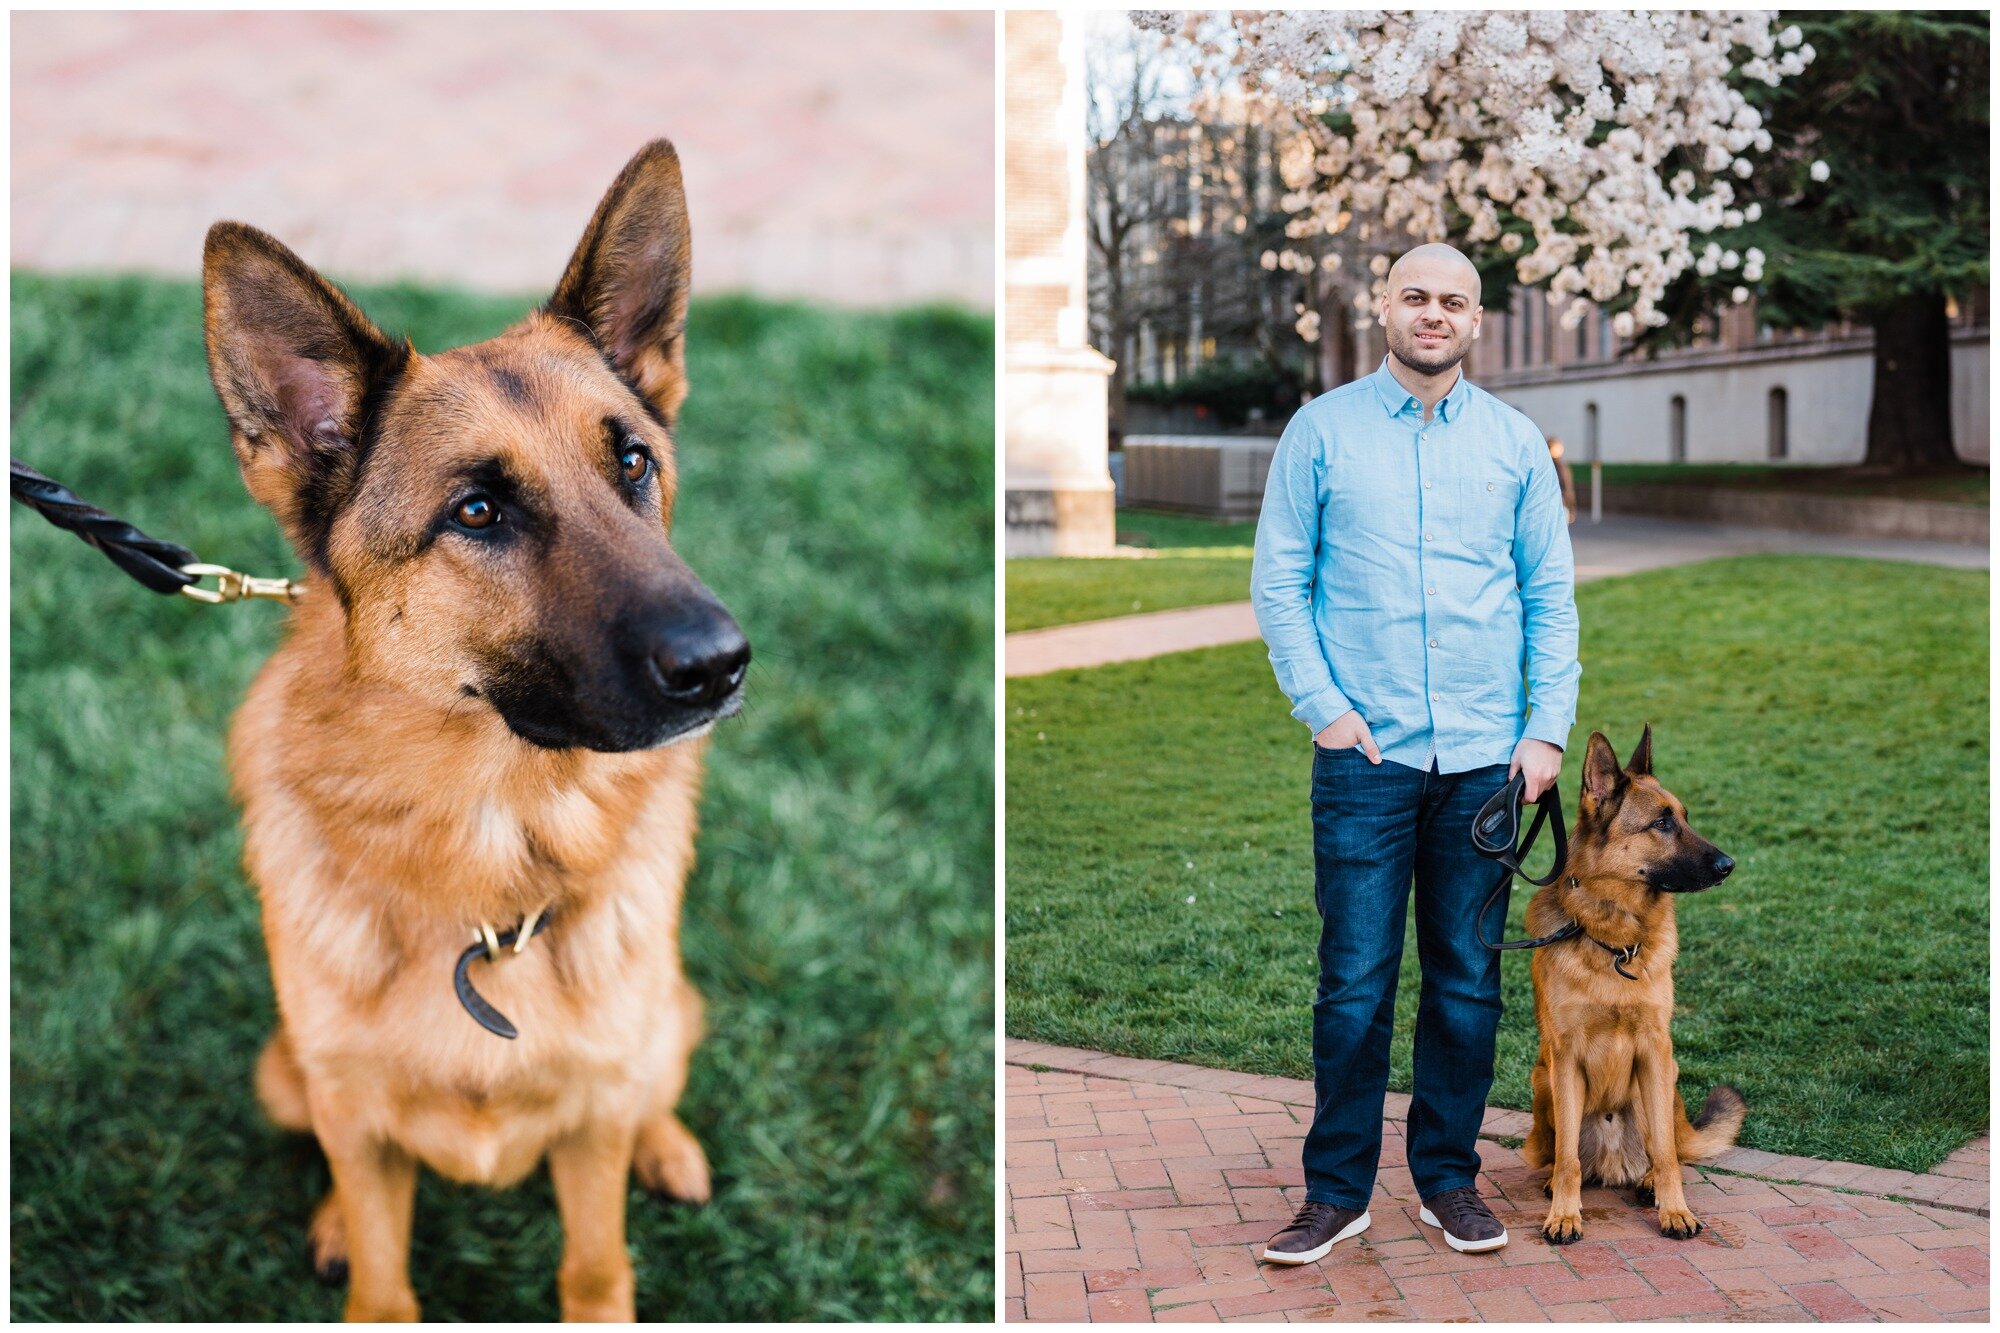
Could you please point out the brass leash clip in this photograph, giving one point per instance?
(232, 586)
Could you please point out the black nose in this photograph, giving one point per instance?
(698, 660)
(1721, 865)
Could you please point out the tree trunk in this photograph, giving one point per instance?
(1909, 419)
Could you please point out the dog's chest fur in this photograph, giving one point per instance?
(380, 835)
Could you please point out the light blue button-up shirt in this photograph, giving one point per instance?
(1420, 573)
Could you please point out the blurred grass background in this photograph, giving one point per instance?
(837, 492)
(1825, 721)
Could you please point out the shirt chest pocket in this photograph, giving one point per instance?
(1487, 499)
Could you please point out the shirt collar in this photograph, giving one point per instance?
(1396, 399)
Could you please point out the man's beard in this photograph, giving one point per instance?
(1413, 354)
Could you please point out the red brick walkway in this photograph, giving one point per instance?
(843, 157)
(1142, 1190)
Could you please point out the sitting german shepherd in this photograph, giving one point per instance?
(487, 711)
(1606, 1105)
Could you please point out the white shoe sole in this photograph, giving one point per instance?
(1354, 1228)
(1425, 1216)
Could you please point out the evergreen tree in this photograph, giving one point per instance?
(1891, 228)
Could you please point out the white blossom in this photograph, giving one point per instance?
(1739, 294)
(1567, 120)
(1820, 171)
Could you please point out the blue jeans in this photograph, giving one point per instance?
(1374, 830)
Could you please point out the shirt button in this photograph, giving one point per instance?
(1430, 592)
(1434, 643)
(1434, 698)
(1427, 485)
(1427, 536)
(1489, 485)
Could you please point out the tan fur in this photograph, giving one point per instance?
(1606, 1104)
(386, 813)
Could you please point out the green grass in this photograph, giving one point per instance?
(1196, 562)
(1825, 720)
(1966, 485)
(836, 491)
(1161, 529)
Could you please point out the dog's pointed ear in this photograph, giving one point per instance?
(1601, 778)
(627, 283)
(1640, 765)
(293, 361)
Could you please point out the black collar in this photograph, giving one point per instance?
(488, 946)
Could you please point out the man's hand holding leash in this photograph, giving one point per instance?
(1541, 761)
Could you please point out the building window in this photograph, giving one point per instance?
(1677, 430)
(1780, 429)
(1603, 336)
(1527, 330)
(1583, 340)
(1506, 340)
(1590, 432)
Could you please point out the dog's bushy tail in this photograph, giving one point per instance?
(1716, 1128)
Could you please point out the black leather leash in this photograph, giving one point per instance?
(476, 1004)
(164, 567)
(1493, 834)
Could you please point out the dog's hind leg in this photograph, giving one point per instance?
(281, 1085)
(281, 1089)
(328, 1238)
(668, 1158)
(1539, 1148)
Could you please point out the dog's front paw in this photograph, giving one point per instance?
(669, 1161)
(1643, 1196)
(1678, 1224)
(1562, 1229)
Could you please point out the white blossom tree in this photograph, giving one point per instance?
(1596, 148)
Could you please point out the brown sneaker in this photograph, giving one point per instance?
(1317, 1228)
(1469, 1226)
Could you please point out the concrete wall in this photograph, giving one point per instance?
(1728, 406)
(1221, 476)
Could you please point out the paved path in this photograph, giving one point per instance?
(1619, 545)
(1142, 1190)
(845, 157)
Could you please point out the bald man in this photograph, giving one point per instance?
(1413, 580)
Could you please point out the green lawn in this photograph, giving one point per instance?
(836, 491)
(1825, 721)
(1959, 486)
(1196, 562)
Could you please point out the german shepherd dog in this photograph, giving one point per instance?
(488, 710)
(1607, 1108)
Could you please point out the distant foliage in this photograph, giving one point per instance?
(1230, 391)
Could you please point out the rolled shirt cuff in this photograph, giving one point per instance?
(1322, 710)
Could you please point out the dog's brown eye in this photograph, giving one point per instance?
(1665, 823)
(476, 511)
(636, 462)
